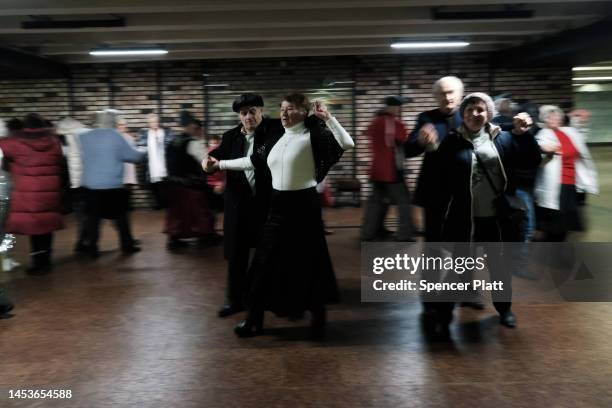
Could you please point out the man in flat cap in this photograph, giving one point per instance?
(387, 136)
(247, 194)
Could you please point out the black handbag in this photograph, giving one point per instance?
(511, 210)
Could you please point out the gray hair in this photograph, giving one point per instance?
(107, 118)
(452, 80)
(547, 110)
(479, 96)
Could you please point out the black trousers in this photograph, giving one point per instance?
(41, 249)
(237, 267)
(78, 205)
(486, 229)
(160, 194)
(110, 204)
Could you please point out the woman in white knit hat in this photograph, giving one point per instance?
(475, 166)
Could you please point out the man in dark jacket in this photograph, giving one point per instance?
(247, 194)
(431, 129)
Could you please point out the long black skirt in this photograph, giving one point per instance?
(292, 271)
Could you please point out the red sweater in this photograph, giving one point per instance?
(569, 154)
(34, 160)
(386, 133)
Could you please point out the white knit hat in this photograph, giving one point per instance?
(491, 112)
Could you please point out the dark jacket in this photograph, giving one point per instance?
(34, 160)
(182, 168)
(245, 212)
(453, 177)
(443, 124)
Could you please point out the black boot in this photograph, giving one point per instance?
(5, 304)
(318, 323)
(252, 325)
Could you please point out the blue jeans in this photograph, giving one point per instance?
(528, 229)
(522, 265)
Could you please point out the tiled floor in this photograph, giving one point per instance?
(142, 331)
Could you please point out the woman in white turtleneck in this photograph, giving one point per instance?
(292, 270)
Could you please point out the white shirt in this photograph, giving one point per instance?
(157, 155)
(129, 169)
(291, 161)
(482, 192)
(249, 142)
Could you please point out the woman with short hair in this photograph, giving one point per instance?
(566, 172)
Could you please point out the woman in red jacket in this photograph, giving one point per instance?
(34, 159)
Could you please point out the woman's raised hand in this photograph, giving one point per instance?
(320, 111)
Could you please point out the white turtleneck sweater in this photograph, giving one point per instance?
(291, 161)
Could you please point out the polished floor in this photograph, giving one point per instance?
(141, 331)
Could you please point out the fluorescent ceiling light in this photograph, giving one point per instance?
(602, 68)
(437, 44)
(603, 78)
(107, 53)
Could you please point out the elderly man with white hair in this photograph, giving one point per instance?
(104, 152)
(430, 130)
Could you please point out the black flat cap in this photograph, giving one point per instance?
(394, 100)
(247, 99)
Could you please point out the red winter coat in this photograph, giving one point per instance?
(386, 133)
(34, 159)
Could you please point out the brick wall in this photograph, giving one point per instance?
(352, 86)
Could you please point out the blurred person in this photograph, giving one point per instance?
(6, 240)
(387, 136)
(285, 277)
(567, 170)
(155, 140)
(524, 180)
(579, 119)
(9, 263)
(129, 169)
(479, 161)
(504, 113)
(33, 157)
(247, 194)
(188, 214)
(104, 151)
(70, 129)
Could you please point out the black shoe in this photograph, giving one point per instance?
(38, 270)
(132, 249)
(228, 310)
(429, 323)
(5, 304)
(86, 250)
(251, 326)
(175, 243)
(474, 304)
(318, 323)
(210, 240)
(508, 319)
